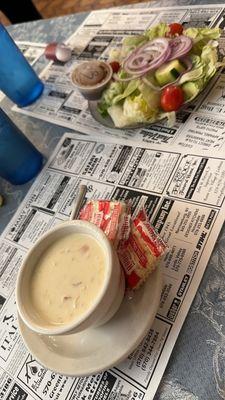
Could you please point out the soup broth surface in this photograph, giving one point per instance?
(68, 278)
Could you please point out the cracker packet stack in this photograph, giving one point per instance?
(140, 254)
(112, 216)
(138, 245)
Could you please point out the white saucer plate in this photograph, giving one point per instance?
(95, 350)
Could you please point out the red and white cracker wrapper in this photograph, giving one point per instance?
(112, 216)
(138, 245)
(140, 254)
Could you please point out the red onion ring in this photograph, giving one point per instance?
(180, 46)
(155, 53)
(139, 61)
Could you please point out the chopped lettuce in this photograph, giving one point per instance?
(113, 90)
(115, 54)
(197, 71)
(135, 104)
(137, 109)
(170, 116)
(202, 33)
(134, 110)
(204, 67)
(131, 88)
(193, 75)
(134, 41)
(116, 113)
(151, 97)
(156, 31)
(201, 37)
(209, 55)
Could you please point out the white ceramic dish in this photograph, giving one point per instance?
(95, 350)
(104, 305)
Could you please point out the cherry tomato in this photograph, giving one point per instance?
(115, 66)
(172, 98)
(176, 28)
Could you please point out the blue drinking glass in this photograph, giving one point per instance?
(20, 161)
(18, 80)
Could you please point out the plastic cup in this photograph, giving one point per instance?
(18, 80)
(20, 161)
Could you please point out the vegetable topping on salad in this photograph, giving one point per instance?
(159, 71)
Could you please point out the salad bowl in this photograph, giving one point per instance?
(156, 74)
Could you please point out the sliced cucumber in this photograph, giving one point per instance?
(190, 90)
(175, 73)
(169, 72)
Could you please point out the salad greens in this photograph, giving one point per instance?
(156, 31)
(134, 101)
(201, 37)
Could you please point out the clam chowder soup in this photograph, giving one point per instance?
(68, 278)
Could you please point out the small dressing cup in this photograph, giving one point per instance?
(88, 71)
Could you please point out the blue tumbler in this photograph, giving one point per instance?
(20, 161)
(18, 80)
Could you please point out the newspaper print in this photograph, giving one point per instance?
(103, 30)
(186, 215)
(32, 51)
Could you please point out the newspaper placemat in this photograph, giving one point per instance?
(183, 193)
(103, 30)
(31, 50)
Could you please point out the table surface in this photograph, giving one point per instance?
(196, 370)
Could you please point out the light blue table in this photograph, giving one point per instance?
(196, 370)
